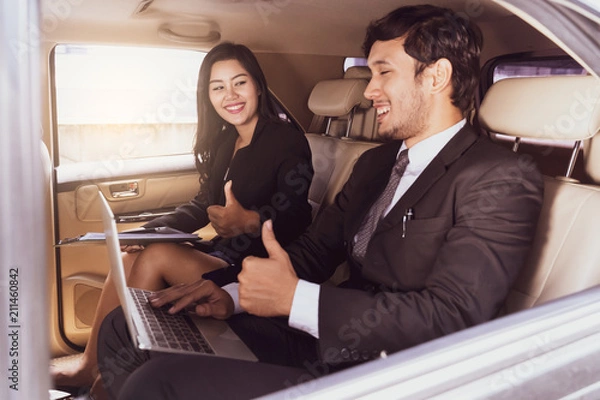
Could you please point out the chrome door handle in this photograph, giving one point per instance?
(122, 190)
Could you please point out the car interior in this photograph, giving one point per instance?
(539, 95)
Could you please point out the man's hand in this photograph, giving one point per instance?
(267, 285)
(204, 297)
(233, 219)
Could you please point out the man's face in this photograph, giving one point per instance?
(399, 98)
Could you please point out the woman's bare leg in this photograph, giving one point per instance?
(84, 373)
(167, 264)
(158, 266)
(162, 265)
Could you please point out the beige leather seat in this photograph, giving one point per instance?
(333, 159)
(364, 125)
(333, 152)
(335, 102)
(565, 255)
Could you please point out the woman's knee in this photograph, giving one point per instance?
(129, 259)
(156, 257)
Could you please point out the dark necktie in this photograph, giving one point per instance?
(381, 204)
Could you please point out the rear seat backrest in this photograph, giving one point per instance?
(336, 100)
(565, 254)
(333, 156)
(591, 158)
(333, 159)
(364, 126)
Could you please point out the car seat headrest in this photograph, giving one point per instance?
(337, 97)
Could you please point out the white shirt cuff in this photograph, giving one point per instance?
(304, 314)
(233, 291)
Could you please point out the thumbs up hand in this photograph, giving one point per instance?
(230, 200)
(232, 219)
(267, 285)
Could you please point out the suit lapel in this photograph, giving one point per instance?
(376, 179)
(434, 171)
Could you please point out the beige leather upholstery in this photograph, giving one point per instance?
(333, 154)
(364, 126)
(337, 97)
(358, 72)
(556, 107)
(591, 158)
(565, 255)
(334, 102)
(333, 159)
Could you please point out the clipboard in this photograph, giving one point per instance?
(141, 236)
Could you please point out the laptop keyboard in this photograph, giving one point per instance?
(174, 331)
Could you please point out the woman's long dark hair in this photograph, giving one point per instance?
(210, 124)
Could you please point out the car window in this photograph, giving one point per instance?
(354, 62)
(124, 102)
(536, 67)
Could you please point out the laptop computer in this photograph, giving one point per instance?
(154, 328)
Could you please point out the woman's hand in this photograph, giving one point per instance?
(233, 219)
(203, 297)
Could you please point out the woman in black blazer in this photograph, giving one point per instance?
(253, 166)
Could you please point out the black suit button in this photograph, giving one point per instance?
(365, 355)
(355, 355)
(345, 353)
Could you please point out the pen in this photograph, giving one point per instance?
(409, 214)
(226, 175)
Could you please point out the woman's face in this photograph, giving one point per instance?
(234, 94)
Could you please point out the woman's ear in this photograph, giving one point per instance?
(441, 74)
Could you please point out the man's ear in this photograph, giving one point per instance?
(441, 74)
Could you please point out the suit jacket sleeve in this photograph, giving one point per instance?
(188, 217)
(289, 208)
(475, 253)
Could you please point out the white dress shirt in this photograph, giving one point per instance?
(305, 305)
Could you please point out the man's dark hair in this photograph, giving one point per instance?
(431, 33)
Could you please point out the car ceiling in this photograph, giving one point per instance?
(283, 26)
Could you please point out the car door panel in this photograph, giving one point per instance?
(83, 268)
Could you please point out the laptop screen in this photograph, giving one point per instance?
(116, 263)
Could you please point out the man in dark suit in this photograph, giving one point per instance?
(434, 226)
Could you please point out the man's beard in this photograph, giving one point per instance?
(414, 124)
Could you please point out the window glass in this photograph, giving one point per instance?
(514, 69)
(124, 102)
(593, 4)
(354, 62)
